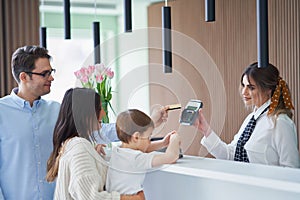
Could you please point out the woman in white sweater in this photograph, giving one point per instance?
(80, 171)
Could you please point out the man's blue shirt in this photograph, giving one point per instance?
(26, 135)
(108, 134)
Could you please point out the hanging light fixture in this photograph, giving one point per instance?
(128, 16)
(96, 36)
(67, 19)
(43, 37)
(262, 33)
(167, 38)
(210, 10)
(43, 29)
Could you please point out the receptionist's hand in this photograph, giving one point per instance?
(202, 125)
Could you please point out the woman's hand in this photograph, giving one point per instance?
(100, 149)
(139, 196)
(202, 125)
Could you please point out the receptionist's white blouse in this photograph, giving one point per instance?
(271, 143)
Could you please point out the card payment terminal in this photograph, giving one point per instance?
(190, 112)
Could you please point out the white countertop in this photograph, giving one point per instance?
(229, 178)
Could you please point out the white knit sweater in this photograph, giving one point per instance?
(82, 173)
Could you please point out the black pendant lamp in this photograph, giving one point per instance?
(96, 37)
(43, 29)
(167, 39)
(262, 33)
(43, 37)
(210, 11)
(67, 19)
(128, 16)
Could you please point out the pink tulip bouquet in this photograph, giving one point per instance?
(98, 77)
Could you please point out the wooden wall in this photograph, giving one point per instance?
(211, 71)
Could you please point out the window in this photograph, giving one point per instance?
(70, 55)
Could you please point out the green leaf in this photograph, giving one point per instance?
(112, 108)
(109, 96)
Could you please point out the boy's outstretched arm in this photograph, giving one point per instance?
(171, 154)
(159, 144)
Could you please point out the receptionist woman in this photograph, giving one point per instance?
(267, 135)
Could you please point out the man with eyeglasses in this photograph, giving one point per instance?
(26, 127)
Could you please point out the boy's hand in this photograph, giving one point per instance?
(166, 139)
(175, 138)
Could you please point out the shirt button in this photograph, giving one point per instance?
(39, 163)
(41, 181)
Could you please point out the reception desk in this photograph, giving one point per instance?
(208, 179)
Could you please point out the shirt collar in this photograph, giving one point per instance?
(22, 102)
(259, 110)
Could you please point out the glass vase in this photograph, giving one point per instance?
(105, 119)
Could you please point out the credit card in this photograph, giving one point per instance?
(174, 107)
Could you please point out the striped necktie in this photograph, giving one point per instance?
(240, 152)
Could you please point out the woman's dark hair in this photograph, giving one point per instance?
(78, 116)
(131, 121)
(23, 59)
(266, 78)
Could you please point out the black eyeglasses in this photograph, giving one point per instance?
(45, 74)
